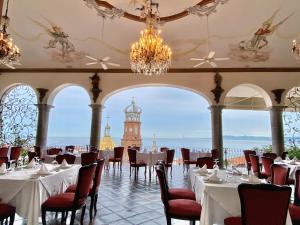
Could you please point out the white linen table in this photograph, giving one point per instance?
(195, 155)
(219, 201)
(27, 194)
(150, 158)
(51, 158)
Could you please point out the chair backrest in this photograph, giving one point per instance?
(163, 167)
(280, 174)
(247, 153)
(31, 155)
(270, 155)
(3, 160)
(264, 204)
(215, 154)
(118, 152)
(267, 163)
(70, 148)
(164, 149)
(131, 155)
(37, 150)
(209, 161)
(170, 156)
(3, 152)
(297, 188)
(93, 149)
(54, 151)
(88, 158)
(284, 155)
(84, 182)
(185, 152)
(254, 160)
(98, 174)
(163, 185)
(15, 152)
(68, 157)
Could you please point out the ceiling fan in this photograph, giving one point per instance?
(210, 59)
(103, 62)
(11, 65)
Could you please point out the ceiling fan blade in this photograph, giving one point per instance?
(113, 64)
(196, 59)
(104, 66)
(90, 57)
(213, 64)
(211, 55)
(199, 64)
(222, 59)
(91, 63)
(105, 59)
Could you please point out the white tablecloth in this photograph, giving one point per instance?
(219, 201)
(27, 194)
(106, 154)
(51, 158)
(150, 158)
(195, 155)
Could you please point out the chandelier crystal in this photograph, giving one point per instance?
(9, 52)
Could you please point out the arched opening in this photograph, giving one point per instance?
(172, 117)
(246, 121)
(70, 119)
(18, 116)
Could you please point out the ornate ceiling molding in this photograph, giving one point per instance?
(204, 7)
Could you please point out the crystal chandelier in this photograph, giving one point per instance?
(296, 49)
(150, 56)
(9, 52)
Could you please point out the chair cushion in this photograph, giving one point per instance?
(290, 181)
(114, 160)
(138, 164)
(294, 212)
(60, 201)
(6, 210)
(181, 193)
(233, 221)
(185, 208)
(72, 188)
(189, 162)
(263, 175)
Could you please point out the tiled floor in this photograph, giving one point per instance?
(124, 200)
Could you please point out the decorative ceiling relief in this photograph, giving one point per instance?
(59, 46)
(257, 49)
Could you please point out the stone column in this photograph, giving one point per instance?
(95, 125)
(42, 125)
(216, 127)
(277, 129)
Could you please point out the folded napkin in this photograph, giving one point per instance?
(203, 169)
(278, 159)
(253, 179)
(64, 163)
(31, 163)
(3, 168)
(43, 169)
(235, 171)
(213, 178)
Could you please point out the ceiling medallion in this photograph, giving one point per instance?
(9, 52)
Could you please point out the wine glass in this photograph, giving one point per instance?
(216, 166)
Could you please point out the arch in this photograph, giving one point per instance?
(11, 86)
(56, 90)
(154, 85)
(265, 95)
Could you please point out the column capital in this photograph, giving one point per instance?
(216, 107)
(96, 106)
(278, 108)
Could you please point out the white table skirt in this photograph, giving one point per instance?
(150, 158)
(195, 155)
(106, 154)
(219, 201)
(27, 195)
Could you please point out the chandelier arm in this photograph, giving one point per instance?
(165, 19)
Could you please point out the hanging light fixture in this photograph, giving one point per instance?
(150, 56)
(9, 52)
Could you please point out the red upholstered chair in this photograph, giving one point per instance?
(280, 174)
(294, 208)
(70, 148)
(54, 151)
(209, 161)
(4, 152)
(267, 163)
(68, 157)
(7, 212)
(37, 150)
(164, 149)
(270, 155)
(183, 209)
(15, 153)
(170, 159)
(31, 155)
(118, 157)
(215, 154)
(3, 160)
(254, 159)
(88, 158)
(133, 163)
(66, 202)
(247, 158)
(262, 204)
(185, 152)
(93, 193)
(176, 193)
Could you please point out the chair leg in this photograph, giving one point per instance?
(95, 204)
(91, 207)
(73, 217)
(171, 170)
(43, 216)
(130, 171)
(62, 217)
(146, 170)
(168, 220)
(82, 214)
(192, 222)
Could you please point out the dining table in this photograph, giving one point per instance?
(50, 158)
(26, 189)
(218, 200)
(150, 158)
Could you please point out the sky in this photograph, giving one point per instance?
(166, 112)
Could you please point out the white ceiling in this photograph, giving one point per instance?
(235, 21)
